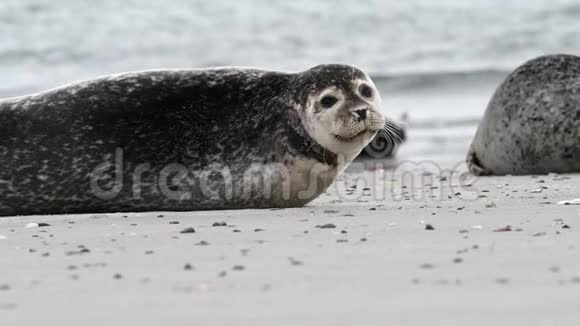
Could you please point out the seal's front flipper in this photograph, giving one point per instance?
(474, 164)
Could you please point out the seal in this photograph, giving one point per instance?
(532, 123)
(181, 140)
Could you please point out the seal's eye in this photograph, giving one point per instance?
(328, 101)
(366, 91)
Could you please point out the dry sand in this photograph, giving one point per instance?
(355, 259)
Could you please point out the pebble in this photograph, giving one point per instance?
(326, 226)
(554, 269)
(502, 281)
(238, 268)
(570, 202)
(427, 266)
(78, 252)
(188, 230)
(490, 204)
(507, 228)
(31, 225)
(295, 262)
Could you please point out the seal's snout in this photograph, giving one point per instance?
(361, 114)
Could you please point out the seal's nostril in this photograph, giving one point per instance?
(362, 114)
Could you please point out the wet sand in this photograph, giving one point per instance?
(499, 252)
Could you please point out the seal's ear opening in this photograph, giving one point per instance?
(386, 142)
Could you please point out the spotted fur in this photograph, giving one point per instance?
(532, 124)
(206, 133)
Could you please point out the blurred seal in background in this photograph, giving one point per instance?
(385, 143)
(532, 124)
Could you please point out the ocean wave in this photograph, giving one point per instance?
(400, 82)
(443, 123)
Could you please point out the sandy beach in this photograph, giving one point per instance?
(501, 251)
(411, 245)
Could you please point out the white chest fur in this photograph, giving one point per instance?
(305, 180)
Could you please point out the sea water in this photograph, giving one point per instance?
(435, 62)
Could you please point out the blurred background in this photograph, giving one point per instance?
(437, 62)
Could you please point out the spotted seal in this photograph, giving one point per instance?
(179, 140)
(532, 124)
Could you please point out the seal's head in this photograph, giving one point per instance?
(340, 108)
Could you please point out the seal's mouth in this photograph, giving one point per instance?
(349, 139)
